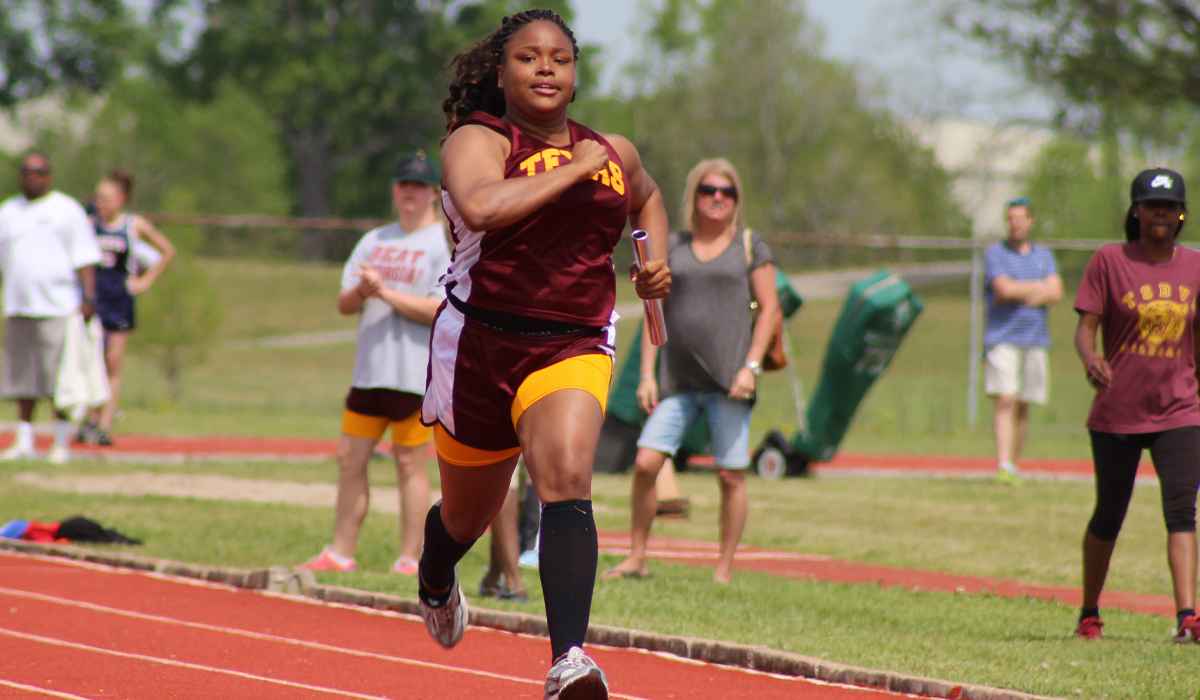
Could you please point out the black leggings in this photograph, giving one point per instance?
(1176, 455)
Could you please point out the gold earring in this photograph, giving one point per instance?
(1182, 217)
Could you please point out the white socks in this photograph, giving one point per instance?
(25, 437)
(62, 433)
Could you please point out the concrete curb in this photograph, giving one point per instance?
(283, 579)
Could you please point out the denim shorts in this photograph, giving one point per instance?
(729, 420)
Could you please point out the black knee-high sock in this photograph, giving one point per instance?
(439, 555)
(567, 556)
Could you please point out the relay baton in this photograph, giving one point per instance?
(654, 310)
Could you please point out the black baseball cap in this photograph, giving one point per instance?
(1158, 183)
(417, 167)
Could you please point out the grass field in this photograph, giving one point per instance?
(960, 526)
(918, 406)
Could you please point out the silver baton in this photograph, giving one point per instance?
(654, 310)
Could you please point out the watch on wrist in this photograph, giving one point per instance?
(754, 367)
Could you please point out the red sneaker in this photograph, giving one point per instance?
(1089, 628)
(1189, 631)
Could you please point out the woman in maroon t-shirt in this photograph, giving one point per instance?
(1143, 295)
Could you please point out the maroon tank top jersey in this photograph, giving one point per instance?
(555, 264)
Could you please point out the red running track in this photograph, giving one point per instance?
(77, 631)
(223, 447)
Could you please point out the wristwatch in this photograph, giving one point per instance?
(754, 367)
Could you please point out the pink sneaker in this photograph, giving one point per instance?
(325, 562)
(405, 567)
(1189, 631)
(1089, 628)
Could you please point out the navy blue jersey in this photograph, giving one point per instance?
(113, 300)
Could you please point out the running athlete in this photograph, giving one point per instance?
(521, 355)
(390, 280)
(117, 233)
(1142, 294)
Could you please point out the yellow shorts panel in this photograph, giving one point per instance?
(591, 373)
(358, 425)
(455, 452)
(410, 433)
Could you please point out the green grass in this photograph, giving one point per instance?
(918, 406)
(973, 527)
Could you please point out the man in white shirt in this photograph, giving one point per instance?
(48, 253)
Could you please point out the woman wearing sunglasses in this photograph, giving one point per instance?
(712, 357)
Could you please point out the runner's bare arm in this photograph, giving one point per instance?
(146, 231)
(473, 173)
(1099, 374)
(646, 212)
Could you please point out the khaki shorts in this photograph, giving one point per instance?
(32, 352)
(1023, 372)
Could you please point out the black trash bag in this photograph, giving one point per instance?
(81, 529)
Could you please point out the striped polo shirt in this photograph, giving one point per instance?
(1020, 325)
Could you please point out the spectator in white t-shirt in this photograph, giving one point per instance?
(391, 282)
(48, 253)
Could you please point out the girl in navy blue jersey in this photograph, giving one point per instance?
(117, 233)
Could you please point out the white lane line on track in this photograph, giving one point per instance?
(42, 691)
(274, 638)
(183, 664)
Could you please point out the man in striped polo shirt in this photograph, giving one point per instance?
(1021, 282)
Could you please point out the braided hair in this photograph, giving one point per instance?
(474, 86)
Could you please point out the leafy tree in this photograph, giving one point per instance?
(349, 83)
(744, 80)
(1121, 69)
(64, 45)
(1072, 197)
(180, 316)
(222, 157)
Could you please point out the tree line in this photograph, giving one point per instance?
(301, 106)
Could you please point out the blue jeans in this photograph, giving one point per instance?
(729, 420)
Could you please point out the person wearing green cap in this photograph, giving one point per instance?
(391, 282)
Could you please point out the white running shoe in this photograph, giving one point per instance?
(529, 559)
(447, 623)
(59, 454)
(576, 677)
(14, 453)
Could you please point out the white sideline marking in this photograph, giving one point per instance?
(42, 691)
(267, 637)
(183, 664)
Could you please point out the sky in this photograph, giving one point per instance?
(898, 46)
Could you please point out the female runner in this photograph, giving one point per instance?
(521, 354)
(117, 233)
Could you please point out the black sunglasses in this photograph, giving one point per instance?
(35, 171)
(710, 190)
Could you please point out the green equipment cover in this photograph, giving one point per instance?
(877, 314)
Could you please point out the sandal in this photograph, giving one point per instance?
(675, 509)
(513, 596)
(615, 573)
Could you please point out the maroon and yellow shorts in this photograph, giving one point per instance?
(370, 411)
(482, 379)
